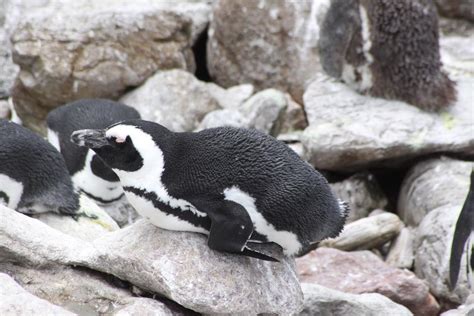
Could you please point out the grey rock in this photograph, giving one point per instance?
(175, 99)
(433, 246)
(348, 131)
(366, 233)
(457, 55)
(145, 306)
(319, 300)
(295, 118)
(78, 290)
(88, 48)
(83, 228)
(265, 111)
(432, 184)
(4, 109)
(178, 265)
(363, 194)
(279, 49)
(232, 97)
(360, 272)
(456, 9)
(462, 310)
(401, 253)
(224, 117)
(14, 300)
(8, 70)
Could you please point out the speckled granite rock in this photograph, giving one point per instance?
(348, 131)
(177, 265)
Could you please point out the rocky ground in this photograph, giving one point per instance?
(191, 65)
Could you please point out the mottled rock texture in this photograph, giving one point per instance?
(348, 131)
(177, 265)
(270, 44)
(363, 272)
(98, 49)
(319, 300)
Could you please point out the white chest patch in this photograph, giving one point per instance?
(159, 218)
(13, 191)
(87, 181)
(288, 240)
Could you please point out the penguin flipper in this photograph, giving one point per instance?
(464, 227)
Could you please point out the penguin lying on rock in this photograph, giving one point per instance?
(462, 232)
(33, 176)
(89, 174)
(238, 186)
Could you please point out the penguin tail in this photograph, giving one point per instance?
(340, 220)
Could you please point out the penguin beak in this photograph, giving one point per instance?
(91, 138)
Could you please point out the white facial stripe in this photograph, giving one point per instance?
(13, 189)
(149, 176)
(54, 139)
(89, 182)
(288, 240)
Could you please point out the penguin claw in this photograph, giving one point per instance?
(258, 255)
(76, 216)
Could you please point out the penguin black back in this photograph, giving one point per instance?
(34, 175)
(238, 185)
(89, 173)
(81, 114)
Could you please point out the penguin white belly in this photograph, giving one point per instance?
(288, 240)
(12, 191)
(159, 218)
(87, 181)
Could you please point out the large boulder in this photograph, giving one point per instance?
(349, 131)
(14, 300)
(81, 291)
(432, 184)
(68, 51)
(177, 265)
(320, 300)
(433, 242)
(363, 272)
(271, 44)
(175, 99)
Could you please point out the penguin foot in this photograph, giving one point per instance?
(258, 255)
(76, 216)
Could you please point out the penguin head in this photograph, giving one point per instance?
(127, 147)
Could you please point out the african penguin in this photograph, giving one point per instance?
(89, 174)
(462, 232)
(33, 176)
(387, 49)
(239, 186)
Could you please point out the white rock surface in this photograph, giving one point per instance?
(366, 233)
(432, 184)
(401, 253)
(177, 265)
(14, 300)
(84, 227)
(4, 110)
(232, 97)
(348, 131)
(175, 99)
(319, 300)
